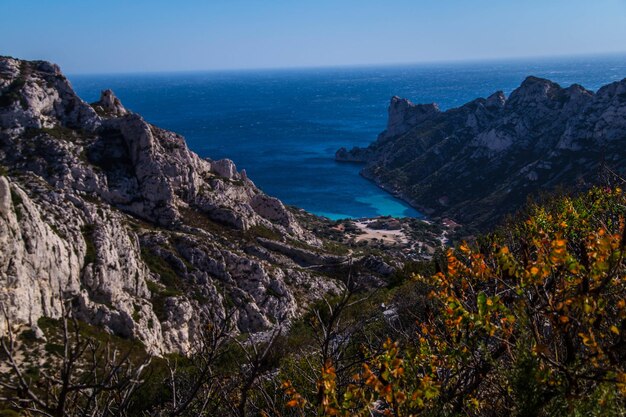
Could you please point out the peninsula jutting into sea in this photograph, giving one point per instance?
(274, 122)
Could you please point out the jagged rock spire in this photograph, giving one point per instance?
(110, 104)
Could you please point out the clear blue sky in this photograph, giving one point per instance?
(86, 36)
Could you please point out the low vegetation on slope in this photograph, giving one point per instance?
(539, 138)
(529, 320)
(121, 244)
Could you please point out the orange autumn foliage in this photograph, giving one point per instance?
(552, 287)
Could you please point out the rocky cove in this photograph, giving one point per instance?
(138, 278)
(148, 240)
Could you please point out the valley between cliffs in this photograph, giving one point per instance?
(145, 238)
(137, 278)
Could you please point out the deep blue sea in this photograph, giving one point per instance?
(284, 126)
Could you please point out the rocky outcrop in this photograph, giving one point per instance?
(480, 162)
(35, 95)
(141, 236)
(224, 168)
(404, 115)
(109, 105)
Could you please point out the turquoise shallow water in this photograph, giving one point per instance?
(284, 126)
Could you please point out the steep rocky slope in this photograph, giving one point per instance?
(145, 238)
(481, 161)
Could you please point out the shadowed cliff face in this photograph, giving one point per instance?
(481, 161)
(143, 236)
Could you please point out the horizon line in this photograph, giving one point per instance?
(358, 65)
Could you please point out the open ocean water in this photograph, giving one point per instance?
(284, 126)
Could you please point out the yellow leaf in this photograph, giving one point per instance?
(615, 330)
(464, 248)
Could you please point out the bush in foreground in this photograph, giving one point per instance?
(530, 320)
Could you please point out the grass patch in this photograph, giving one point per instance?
(54, 349)
(158, 306)
(153, 287)
(196, 219)
(59, 132)
(90, 253)
(28, 336)
(136, 316)
(13, 94)
(336, 248)
(162, 268)
(167, 276)
(265, 232)
(16, 199)
(56, 231)
(272, 293)
(410, 269)
(53, 328)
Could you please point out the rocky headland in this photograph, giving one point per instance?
(480, 162)
(148, 240)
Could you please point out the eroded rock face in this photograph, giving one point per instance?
(224, 168)
(36, 95)
(140, 235)
(109, 104)
(404, 115)
(272, 209)
(479, 162)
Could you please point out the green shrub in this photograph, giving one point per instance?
(13, 94)
(90, 252)
(265, 232)
(16, 199)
